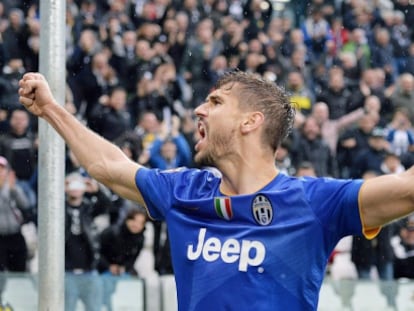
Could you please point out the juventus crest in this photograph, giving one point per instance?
(262, 210)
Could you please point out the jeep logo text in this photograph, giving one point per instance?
(246, 252)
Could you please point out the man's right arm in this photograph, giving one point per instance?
(104, 161)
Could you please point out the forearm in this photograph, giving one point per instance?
(104, 161)
(92, 151)
(386, 198)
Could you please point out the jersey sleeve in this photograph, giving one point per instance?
(165, 189)
(335, 203)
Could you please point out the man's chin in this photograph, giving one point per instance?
(203, 160)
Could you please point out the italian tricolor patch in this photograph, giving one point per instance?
(223, 207)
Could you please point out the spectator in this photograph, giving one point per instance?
(170, 150)
(12, 72)
(340, 35)
(144, 60)
(403, 95)
(87, 45)
(382, 55)
(254, 63)
(373, 104)
(194, 15)
(123, 59)
(403, 247)
(93, 84)
(31, 59)
(352, 72)
(358, 45)
(283, 160)
(161, 46)
(13, 249)
(400, 38)
(111, 120)
(168, 91)
(234, 45)
(312, 148)
(16, 34)
(197, 57)
(293, 40)
(144, 12)
(353, 141)
(81, 242)
(400, 133)
(160, 93)
(300, 96)
(147, 129)
(117, 11)
(176, 31)
(406, 7)
(331, 129)
(19, 146)
(120, 246)
(336, 95)
(219, 66)
(299, 62)
(257, 15)
(371, 158)
(372, 83)
(88, 18)
(391, 164)
(317, 32)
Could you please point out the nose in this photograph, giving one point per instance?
(201, 110)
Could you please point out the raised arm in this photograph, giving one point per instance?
(386, 198)
(104, 161)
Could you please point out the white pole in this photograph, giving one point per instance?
(51, 163)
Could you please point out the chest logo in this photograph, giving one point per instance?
(223, 208)
(262, 210)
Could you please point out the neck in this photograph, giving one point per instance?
(247, 176)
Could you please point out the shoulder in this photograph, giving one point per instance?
(318, 185)
(189, 180)
(183, 173)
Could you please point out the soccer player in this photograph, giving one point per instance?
(248, 238)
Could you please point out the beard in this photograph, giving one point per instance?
(219, 146)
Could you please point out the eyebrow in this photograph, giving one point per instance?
(213, 97)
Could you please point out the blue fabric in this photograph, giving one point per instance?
(86, 287)
(269, 260)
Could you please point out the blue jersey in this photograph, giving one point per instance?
(261, 251)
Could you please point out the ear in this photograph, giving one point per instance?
(252, 121)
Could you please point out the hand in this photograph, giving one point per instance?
(35, 93)
(92, 185)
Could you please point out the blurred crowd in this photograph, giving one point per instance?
(135, 69)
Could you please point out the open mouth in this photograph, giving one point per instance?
(202, 135)
(201, 130)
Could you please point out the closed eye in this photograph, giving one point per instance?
(215, 100)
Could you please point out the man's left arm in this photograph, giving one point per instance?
(386, 198)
